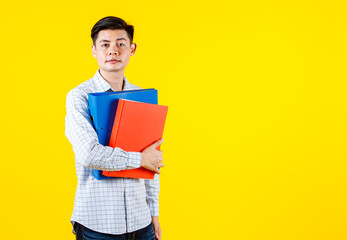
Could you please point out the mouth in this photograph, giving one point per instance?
(113, 61)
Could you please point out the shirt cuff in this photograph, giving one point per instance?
(154, 209)
(134, 159)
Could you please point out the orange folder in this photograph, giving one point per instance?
(136, 126)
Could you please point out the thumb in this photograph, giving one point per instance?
(157, 143)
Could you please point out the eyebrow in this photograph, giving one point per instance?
(105, 40)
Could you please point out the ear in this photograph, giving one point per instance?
(94, 50)
(133, 47)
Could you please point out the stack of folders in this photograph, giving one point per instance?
(130, 120)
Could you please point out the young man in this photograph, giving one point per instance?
(117, 208)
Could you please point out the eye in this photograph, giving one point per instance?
(121, 44)
(104, 45)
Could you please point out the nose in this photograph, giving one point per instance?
(113, 50)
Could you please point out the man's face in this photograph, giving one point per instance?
(112, 50)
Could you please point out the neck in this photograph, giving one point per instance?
(115, 79)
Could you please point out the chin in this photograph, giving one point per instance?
(112, 69)
(115, 70)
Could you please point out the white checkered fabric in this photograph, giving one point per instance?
(113, 206)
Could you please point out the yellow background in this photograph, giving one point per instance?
(255, 140)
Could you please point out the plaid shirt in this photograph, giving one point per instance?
(113, 206)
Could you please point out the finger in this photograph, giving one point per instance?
(156, 170)
(157, 143)
(161, 165)
(157, 235)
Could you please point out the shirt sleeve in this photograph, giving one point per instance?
(152, 195)
(81, 134)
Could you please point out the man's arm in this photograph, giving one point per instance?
(152, 185)
(89, 153)
(84, 140)
(152, 198)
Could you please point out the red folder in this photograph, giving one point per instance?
(136, 126)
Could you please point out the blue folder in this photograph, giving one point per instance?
(103, 107)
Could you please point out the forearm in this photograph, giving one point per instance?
(88, 152)
(108, 159)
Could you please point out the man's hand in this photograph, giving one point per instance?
(157, 229)
(152, 158)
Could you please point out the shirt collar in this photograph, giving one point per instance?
(103, 86)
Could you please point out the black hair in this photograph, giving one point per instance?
(112, 23)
